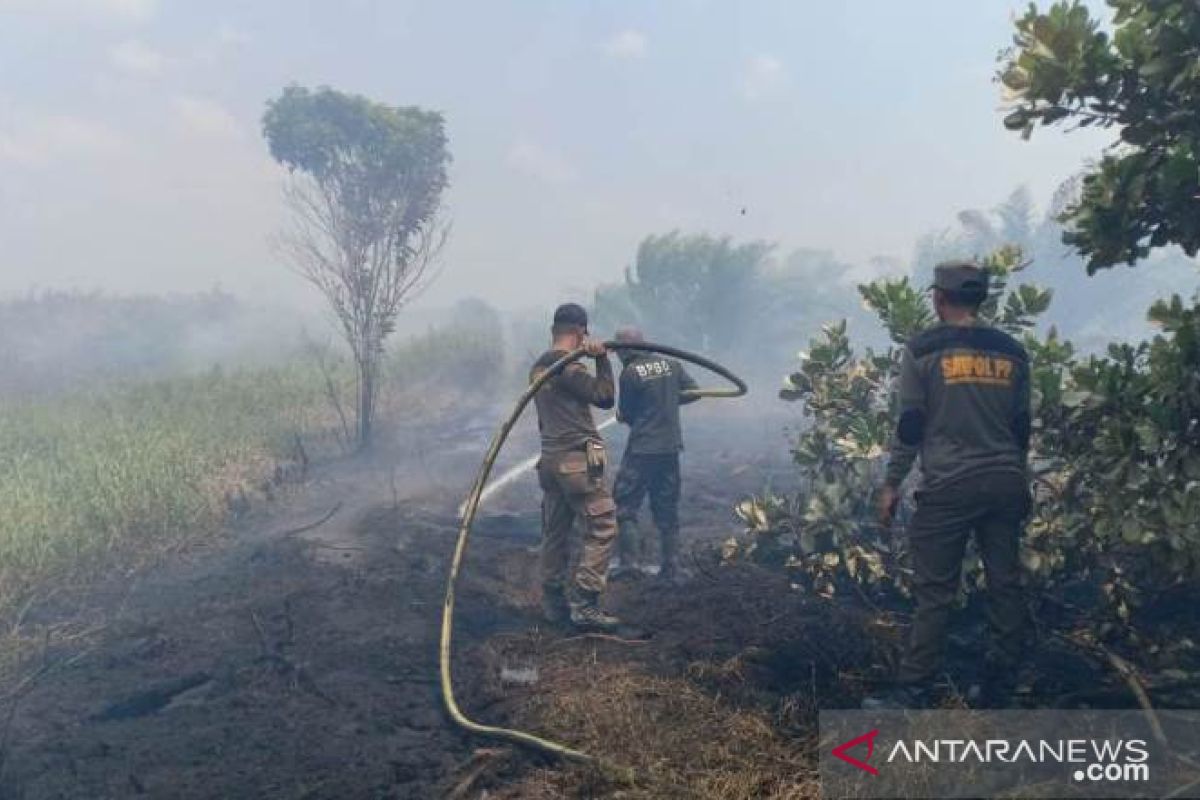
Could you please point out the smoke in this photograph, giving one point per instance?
(56, 341)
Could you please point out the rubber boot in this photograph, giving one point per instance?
(998, 683)
(555, 609)
(670, 572)
(626, 561)
(587, 616)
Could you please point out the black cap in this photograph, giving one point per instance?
(571, 314)
(960, 277)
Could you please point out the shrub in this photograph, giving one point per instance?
(1115, 457)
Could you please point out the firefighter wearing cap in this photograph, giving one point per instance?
(571, 475)
(652, 389)
(964, 403)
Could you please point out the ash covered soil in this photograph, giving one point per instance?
(298, 660)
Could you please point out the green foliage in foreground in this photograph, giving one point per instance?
(1116, 457)
(1141, 79)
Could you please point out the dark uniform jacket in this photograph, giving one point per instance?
(649, 403)
(964, 405)
(563, 404)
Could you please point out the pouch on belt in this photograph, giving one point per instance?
(597, 459)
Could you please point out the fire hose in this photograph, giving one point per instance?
(471, 507)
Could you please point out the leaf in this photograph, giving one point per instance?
(1157, 66)
(1016, 120)
(1076, 398)
(1053, 115)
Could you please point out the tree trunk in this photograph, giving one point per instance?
(366, 395)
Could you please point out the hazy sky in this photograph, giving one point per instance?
(131, 159)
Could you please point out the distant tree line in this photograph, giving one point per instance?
(56, 340)
(730, 299)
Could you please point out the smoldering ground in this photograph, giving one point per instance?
(305, 602)
(296, 655)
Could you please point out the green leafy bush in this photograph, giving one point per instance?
(1138, 76)
(1115, 455)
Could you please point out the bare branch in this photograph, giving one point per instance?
(368, 256)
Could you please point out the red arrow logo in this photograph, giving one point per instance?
(866, 738)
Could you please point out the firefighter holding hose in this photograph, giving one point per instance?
(964, 400)
(571, 473)
(653, 387)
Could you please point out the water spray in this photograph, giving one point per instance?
(470, 508)
(498, 485)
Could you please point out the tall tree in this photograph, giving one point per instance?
(1143, 80)
(731, 298)
(696, 288)
(365, 188)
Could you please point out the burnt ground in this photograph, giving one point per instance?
(297, 660)
(295, 657)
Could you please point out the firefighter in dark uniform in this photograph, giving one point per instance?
(651, 390)
(571, 473)
(964, 402)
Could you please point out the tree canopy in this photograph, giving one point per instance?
(697, 287)
(385, 164)
(1141, 79)
(365, 198)
(727, 297)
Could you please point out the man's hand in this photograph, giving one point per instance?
(594, 347)
(889, 498)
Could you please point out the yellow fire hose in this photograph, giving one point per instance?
(471, 507)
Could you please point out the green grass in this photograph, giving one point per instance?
(113, 478)
(119, 475)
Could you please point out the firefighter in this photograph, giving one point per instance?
(964, 403)
(652, 389)
(571, 473)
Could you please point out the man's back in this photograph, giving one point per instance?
(965, 398)
(964, 403)
(651, 388)
(563, 404)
